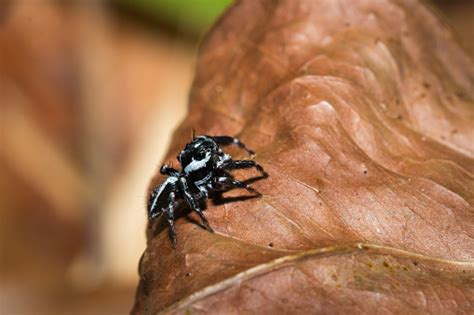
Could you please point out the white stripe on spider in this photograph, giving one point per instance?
(196, 165)
(169, 180)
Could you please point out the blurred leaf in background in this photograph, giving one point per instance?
(192, 17)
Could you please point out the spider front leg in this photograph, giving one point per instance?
(243, 164)
(158, 201)
(193, 203)
(226, 140)
(170, 215)
(154, 209)
(168, 170)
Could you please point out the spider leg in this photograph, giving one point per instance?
(233, 183)
(158, 200)
(170, 214)
(226, 140)
(155, 204)
(168, 170)
(193, 204)
(154, 208)
(242, 164)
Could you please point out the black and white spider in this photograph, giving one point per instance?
(205, 169)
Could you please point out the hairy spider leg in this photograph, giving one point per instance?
(226, 140)
(233, 183)
(168, 170)
(157, 203)
(193, 204)
(153, 208)
(243, 164)
(170, 214)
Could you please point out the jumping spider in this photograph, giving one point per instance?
(205, 169)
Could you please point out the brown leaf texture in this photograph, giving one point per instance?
(362, 113)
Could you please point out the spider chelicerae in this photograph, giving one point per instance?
(205, 169)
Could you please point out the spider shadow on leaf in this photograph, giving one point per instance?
(218, 198)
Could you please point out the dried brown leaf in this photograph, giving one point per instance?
(362, 113)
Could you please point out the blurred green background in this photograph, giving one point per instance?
(188, 17)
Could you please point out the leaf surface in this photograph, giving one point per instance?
(362, 113)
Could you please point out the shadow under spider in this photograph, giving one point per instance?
(182, 210)
(218, 198)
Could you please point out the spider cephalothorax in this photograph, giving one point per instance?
(204, 169)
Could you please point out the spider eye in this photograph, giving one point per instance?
(200, 155)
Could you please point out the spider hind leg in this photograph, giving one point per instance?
(170, 215)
